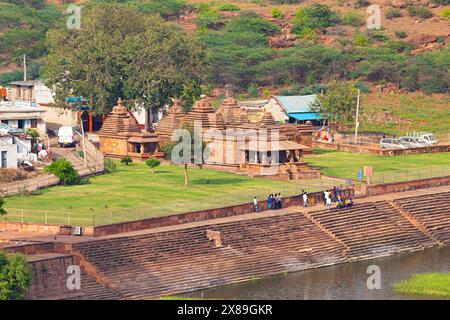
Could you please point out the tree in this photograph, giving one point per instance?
(122, 52)
(152, 163)
(15, 277)
(126, 160)
(2, 210)
(338, 104)
(186, 159)
(64, 170)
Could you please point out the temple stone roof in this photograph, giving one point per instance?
(267, 120)
(171, 122)
(232, 114)
(201, 111)
(119, 122)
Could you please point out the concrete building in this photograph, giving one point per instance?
(8, 153)
(293, 109)
(36, 93)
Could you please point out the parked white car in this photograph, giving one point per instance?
(67, 136)
(389, 143)
(429, 138)
(413, 142)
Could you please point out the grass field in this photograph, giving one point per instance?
(346, 165)
(134, 193)
(426, 284)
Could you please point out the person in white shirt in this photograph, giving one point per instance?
(305, 199)
(255, 204)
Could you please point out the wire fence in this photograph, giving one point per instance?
(410, 174)
(103, 216)
(95, 217)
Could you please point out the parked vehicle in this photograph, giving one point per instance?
(413, 142)
(391, 144)
(429, 138)
(67, 136)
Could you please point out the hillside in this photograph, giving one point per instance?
(264, 47)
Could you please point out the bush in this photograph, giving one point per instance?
(401, 34)
(2, 210)
(210, 19)
(64, 170)
(362, 3)
(362, 86)
(316, 16)
(152, 163)
(126, 160)
(253, 90)
(441, 2)
(419, 11)
(15, 276)
(277, 13)
(393, 13)
(110, 165)
(445, 13)
(361, 40)
(352, 19)
(228, 7)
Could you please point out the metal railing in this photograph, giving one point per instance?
(102, 216)
(410, 174)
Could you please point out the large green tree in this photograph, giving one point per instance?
(121, 52)
(338, 104)
(15, 276)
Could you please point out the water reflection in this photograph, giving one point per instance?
(346, 281)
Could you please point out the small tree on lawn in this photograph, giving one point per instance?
(168, 148)
(126, 160)
(64, 170)
(15, 276)
(2, 210)
(152, 163)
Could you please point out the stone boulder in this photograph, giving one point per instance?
(422, 39)
(399, 4)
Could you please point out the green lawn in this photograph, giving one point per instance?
(134, 193)
(426, 284)
(346, 165)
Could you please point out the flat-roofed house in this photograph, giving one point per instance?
(293, 109)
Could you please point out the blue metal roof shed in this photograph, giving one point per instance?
(299, 107)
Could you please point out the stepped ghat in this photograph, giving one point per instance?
(171, 260)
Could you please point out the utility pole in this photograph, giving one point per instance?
(357, 117)
(24, 67)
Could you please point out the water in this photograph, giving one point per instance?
(344, 281)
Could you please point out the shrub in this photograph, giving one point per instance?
(401, 34)
(441, 2)
(210, 20)
(362, 86)
(2, 210)
(126, 160)
(64, 170)
(362, 3)
(445, 13)
(419, 11)
(377, 36)
(228, 7)
(110, 165)
(314, 16)
(253, 90)
(15, 276)
(277, 13)
(81, 154)
(393, 13)
(352, 19)
(361, 40)
(152, 163)
(33, 133)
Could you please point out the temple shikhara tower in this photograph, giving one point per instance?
(120, 136)
(235, 143)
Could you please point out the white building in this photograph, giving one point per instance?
(37, 93)
(8, 153)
